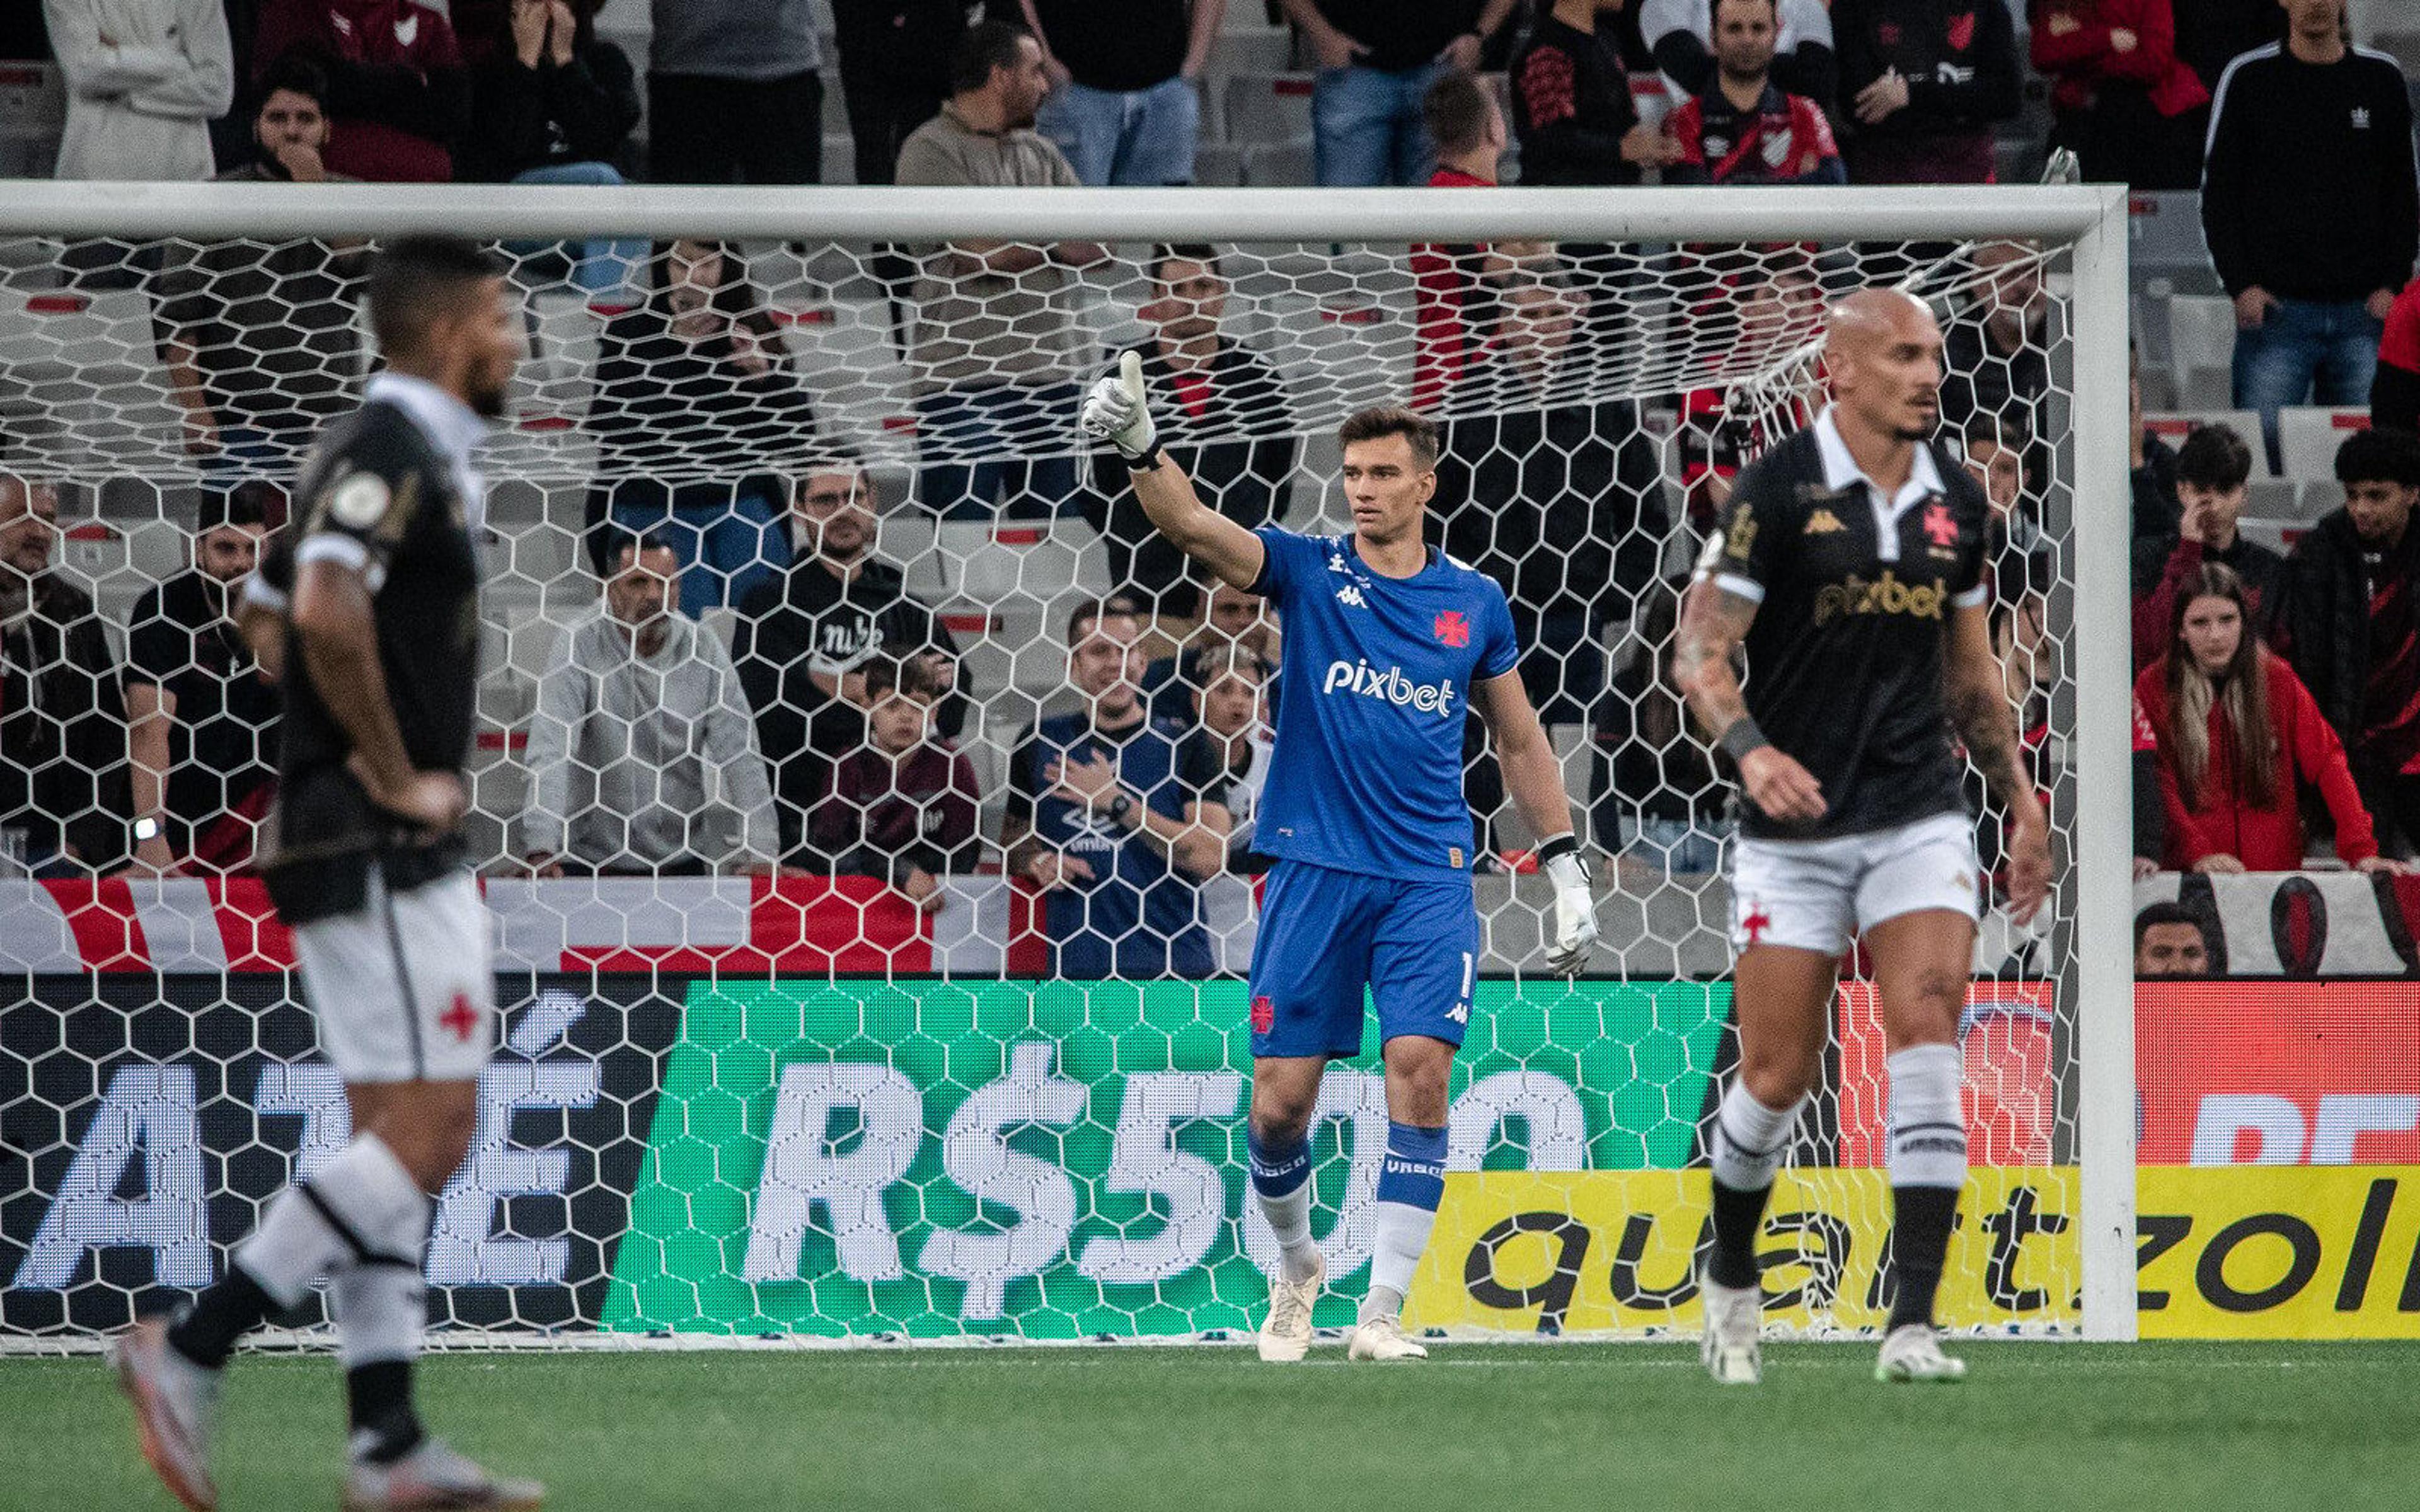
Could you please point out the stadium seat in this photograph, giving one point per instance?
(1339, 355)
(2174, 426)
(2315, 498)
(2164, 236)
(2404, 47)
(2276, 534)
(1651, 99)
(1254, 50)
(1268, 107)
(1217, 164)
(2308, 436)
(33, 118)
(1281, 164)
(1011, 564)
(2201, 348)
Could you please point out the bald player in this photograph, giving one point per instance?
(1850, 568)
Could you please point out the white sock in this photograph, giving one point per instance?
(1281, 1182)
(1750, 1140)
(364, 1203)
(1403, 1237)
(381, 1311)
(1928, 1129)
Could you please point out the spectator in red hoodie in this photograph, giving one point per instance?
(2239, 741)
(2132, 110)
(399, 96)
(903, 807)
(2394, 391)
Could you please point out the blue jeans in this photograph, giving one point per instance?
(1366, 127)
(737, 545)
(2306, 352)
(599, 266)
(1140, 137)
(1022, 424)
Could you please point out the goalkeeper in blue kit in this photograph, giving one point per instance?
(1390, 645)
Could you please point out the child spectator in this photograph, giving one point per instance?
(2240, 742)
(2213, 469)
(904, 806)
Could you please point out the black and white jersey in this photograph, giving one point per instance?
(1854, 593)
(388, 491)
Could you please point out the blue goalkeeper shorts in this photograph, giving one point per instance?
(1325, 935)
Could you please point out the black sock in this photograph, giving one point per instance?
(1738, 1216)
(1919, 1238)
(385, 1429)
(205, 1329)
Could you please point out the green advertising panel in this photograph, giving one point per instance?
(1066, 1160)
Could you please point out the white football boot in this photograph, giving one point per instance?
(1911, 1351)
(1285, 1334)
(434, 1475)
(175, 1405)
(1731, 1349)
(1382, 1338)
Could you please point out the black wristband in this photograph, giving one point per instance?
(1149, 461)
(1566, 843)
(1741, 738)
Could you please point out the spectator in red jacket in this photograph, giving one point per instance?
(904, 806)
(399, 96)
(2214, 474)
(2132, 110)
(2395, 390)
(1924, 81)
(2240, 739)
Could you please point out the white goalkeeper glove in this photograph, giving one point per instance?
(1117, 412)
(1575, 906)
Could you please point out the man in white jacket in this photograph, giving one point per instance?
(144, 77)
(642, 756)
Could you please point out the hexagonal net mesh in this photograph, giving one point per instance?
(783, 735)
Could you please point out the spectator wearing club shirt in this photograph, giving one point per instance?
(2134, 111)
(2394, 389)
(2213, 473)
(1741, 128)
(1922, 82)
(399, 96)
(1572, 109)
(2240, 741)
(1681, 34)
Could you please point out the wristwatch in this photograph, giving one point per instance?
(1120, 806)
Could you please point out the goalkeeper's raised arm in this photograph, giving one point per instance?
(1118, 411)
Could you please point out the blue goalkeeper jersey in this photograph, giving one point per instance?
(1367, 775)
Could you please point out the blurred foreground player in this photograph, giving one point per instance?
(1851, 566)
(367, 863)
(1386, 643)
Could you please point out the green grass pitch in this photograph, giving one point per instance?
(1487, 1428)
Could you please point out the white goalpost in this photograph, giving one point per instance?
(733, 1108)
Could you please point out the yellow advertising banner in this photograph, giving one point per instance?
(2236, 1252)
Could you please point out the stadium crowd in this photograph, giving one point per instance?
(2278, 706)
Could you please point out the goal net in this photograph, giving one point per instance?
(798, 1042)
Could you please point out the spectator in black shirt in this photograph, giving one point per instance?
(63, 796)
(552, 103)
(1121, 105)
(1220, 388)
(895, 72)
(2214, 475)
(1682, 34)
(697, 408)
(1572, 109)
(2311, 211)
(1922, 82)
(2211, 34)
(2151, 463)
(201, 715)
(803, 641)
(1376, 60)
(1996, 354)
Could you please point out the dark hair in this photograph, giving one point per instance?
(2154, 915)
(1184, 252)
(296, 74)
(1714, 12)
(253, 501)
(2383, 454)
(1987, 427)
(416, 279)
(986, 45)
(1090, 612)
(1455, 110)
(638, 544)
(889, 671)
(2214, 457)
(1393, 420)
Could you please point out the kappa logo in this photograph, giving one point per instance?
(1351, 595)
(1823, 522)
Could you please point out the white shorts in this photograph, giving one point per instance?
(1819, 894)
(403, 988)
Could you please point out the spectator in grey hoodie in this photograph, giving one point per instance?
(643, 758)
